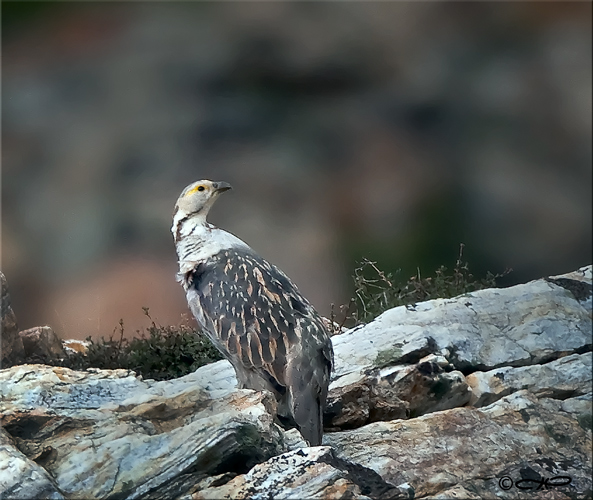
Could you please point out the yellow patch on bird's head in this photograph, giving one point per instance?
(195, 189)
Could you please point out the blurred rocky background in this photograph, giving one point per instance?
(392, 131)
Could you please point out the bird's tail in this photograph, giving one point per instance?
(308, 416)
(307, 384)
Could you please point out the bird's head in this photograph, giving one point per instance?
(198, 197)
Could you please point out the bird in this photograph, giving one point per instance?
(253, 313)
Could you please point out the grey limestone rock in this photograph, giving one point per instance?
(475, 447)
(464, 398)
(21, 478)
(568, 376)
(104, 433)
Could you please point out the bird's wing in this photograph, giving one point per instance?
(260, 318)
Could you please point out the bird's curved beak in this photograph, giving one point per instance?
(221, 186)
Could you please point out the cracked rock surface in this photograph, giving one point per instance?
(486, 395)
(104, 433)
(473, 448)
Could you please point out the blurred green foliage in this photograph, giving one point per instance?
(18, 13)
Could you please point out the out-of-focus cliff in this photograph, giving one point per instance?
(347, 129)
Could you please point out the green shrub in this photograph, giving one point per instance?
(166, 352)
(376, 291)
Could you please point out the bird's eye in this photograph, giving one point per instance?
(201, 188)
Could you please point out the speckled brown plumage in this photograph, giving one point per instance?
(254, 315)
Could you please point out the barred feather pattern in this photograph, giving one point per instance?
(270, 333)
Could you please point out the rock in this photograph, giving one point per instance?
(22, 478)
(359, 401)
(12, 351)
(578, 283)
(398, 406)
(411, 361)
(306, 473)
(31, 386)
(73, 346)
(293, 440)
(430, 385)
(565, 377)
(517, 326)
(476, 448)
(42, 345)
(107, 433)
(217, 379)
(395, 392)
(454, 493)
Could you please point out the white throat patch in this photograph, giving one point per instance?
(196, 240)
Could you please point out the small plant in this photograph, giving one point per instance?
(167, 352)
(376, 291)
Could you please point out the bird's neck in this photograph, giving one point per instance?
(196, 239)
(185, 225)
(190, 232)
